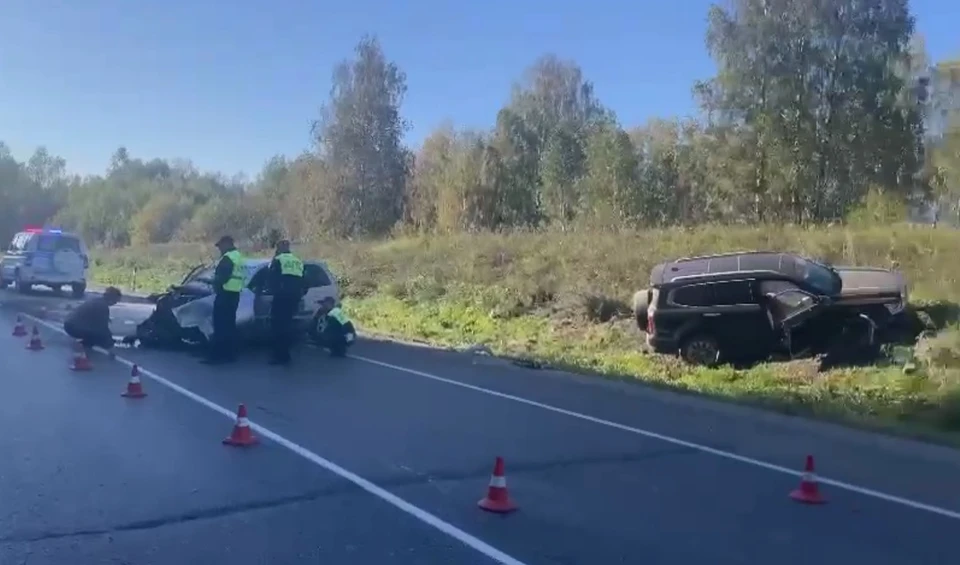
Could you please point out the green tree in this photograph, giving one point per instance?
(359, 139)
(611, 185)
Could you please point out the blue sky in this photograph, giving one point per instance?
(229, 84)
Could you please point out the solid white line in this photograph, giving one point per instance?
(415, 511)
(673, 440)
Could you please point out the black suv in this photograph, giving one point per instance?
(750, 305)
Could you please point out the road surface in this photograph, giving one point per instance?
(381, 458)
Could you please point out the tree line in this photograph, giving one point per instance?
(820, 111)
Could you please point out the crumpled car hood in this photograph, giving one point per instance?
(860, 281)
(199, 313)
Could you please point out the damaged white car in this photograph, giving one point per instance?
(184, 313)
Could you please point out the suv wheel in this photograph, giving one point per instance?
(700, 349)
(22, 287)
(78, 289)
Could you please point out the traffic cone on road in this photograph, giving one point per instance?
(134, 386)
(80, 360)
(809, 491)
(35, 343)
(497, 499)
(19, 330)
(241, 435)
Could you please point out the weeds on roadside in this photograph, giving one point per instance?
(564, 298)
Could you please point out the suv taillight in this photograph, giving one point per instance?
(651, 327)
(86, 262)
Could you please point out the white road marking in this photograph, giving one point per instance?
(673, 440)
(415, 511)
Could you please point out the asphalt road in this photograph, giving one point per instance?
(381, 458)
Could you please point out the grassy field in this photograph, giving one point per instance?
(562, 298)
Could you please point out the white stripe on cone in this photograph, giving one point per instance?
(498, 482)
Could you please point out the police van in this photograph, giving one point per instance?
(45, 257)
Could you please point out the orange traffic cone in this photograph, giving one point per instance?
(497, 499)
(809, 491)
(80, 360)
(241, 435)
(134, 386)
(35, 343)
(19, 330)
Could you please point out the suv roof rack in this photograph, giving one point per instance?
(727, 254)
(722, 274)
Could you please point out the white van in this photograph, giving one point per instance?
(46, 257)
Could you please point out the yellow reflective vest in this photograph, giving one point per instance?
(337, 314)
(290, 264)
(235, 283)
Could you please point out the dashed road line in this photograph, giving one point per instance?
(381, 493)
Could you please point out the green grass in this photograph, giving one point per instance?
(562, 298)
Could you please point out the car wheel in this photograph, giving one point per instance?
(701, 350)
(57, 289)
(4, 284)
(317, 326)
(78, 290)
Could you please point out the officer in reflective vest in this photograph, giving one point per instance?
(227, 283)
(286, 272)
(338, 331)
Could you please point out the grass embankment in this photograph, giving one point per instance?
(563, 299)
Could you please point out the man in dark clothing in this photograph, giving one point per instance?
(90, 322)
(286, 284)
(228, 279)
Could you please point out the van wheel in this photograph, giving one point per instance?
(22, 287)
(701, 350)
(78, 290)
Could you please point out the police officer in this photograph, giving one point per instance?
(286, 272)
(339, 332)
(227, 283)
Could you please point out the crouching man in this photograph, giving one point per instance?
(89, 323)
(339, 333)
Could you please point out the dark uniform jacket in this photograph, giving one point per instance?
(90, 318)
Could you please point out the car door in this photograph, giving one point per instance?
(263, 295)
(728, 311)
(318, 286)
(790, 309)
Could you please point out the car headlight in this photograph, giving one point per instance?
(897, 307)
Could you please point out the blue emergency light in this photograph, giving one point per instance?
(35, 229)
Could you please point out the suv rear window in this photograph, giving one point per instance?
(714, 294)
(54, 243)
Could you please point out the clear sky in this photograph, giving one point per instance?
(228, 84)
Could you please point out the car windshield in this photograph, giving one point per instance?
(819, 276)
(204, 275)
